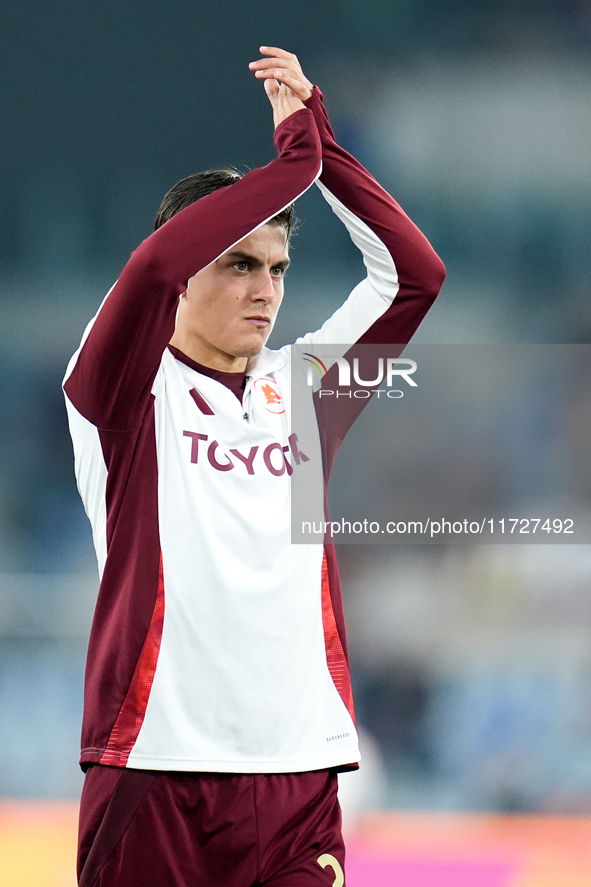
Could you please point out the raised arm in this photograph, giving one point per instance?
(401, 263)
(110, 378)
(403, 269)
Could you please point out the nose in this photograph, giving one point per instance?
(265, 290)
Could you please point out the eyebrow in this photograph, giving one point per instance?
(239, 256)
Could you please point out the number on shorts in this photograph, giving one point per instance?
(327, 859)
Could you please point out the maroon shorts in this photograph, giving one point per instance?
(140, 828)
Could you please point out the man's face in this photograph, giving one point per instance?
(229, 308)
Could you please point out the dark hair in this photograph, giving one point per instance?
(200, 184)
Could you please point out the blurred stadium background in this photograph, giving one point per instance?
(471, 664)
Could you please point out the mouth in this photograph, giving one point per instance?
(259, 320)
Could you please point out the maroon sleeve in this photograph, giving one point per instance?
(420, 270)
(111, 381)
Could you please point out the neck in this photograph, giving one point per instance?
(208, 356)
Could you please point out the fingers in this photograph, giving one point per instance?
(284, 67)
(285, 84)
(272, 89)
(283, 101)
(278, 59)
(300, 86)
(294, 83)
(277, 52)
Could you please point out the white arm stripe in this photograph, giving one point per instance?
(381, 269)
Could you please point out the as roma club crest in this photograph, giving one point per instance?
(267, 390)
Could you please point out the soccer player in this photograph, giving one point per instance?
(218, 703)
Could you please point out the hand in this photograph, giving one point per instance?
(285, 84)
(284, 67)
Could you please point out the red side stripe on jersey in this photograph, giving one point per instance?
(131, 716)
(335, 655)
(201, 402)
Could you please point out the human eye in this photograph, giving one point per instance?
(278, 271)
(241, 265)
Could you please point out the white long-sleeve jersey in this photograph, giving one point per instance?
(217, 645)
